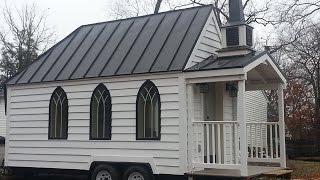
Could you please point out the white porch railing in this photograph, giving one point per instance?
(216, 143)
(263, 141)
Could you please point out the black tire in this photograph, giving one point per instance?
(112, 171)
(145, 172)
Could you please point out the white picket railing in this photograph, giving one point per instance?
(263, 141)
(216, 143)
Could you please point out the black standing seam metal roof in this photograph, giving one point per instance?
(241, 61)
(215, 62)
(153, 43)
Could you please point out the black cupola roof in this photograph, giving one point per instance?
(236, 15)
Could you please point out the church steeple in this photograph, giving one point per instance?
(236, 34)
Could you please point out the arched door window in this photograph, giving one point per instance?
(58, 115)
(100, 113)
(148, 112)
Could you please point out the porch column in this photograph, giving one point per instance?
(190, 153)
(241, 118)
(281, 126)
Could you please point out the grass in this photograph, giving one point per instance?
(304, 169)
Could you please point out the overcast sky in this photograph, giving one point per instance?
(64, 16)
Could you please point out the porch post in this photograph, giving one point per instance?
(241, 118)
(281, 126)
(190, 153)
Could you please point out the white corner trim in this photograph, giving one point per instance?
(135, 159)
(8, 137)
(284, 80)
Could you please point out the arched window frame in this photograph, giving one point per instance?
(108, 113)
(63, 99)
(148, 82)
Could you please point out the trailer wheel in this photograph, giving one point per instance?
(137, 173)
(104, 172)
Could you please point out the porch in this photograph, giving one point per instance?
(253, 172)
(225, 134)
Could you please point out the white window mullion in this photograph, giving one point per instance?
(61, 118)
(55, 121)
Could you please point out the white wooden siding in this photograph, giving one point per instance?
(256, 106)
(208, 43)
(28, 144)
(2, 118)
(256, 110)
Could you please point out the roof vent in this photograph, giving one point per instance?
(237, 35)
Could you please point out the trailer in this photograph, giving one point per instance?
(168, 94)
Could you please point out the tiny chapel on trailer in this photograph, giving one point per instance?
(171, 93)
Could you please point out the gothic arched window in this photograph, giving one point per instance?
(58, 115)
(148, 112)
(100, 113)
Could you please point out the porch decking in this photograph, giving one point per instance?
(253, 171)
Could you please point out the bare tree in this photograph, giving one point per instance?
(255, 11)
(305, 55)
(296, 11)
(130, 8)
(24, 36)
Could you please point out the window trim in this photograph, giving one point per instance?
(159, 110)
(90, 120)
(49, 127)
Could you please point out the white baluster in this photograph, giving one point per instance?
(261, 142)
(236, 144)
(219, 145)
(276, 140)
(251, 140)
(203, 140)
(271, 141)
(213, 144)
(232, 153)
(256, 139)
(208, 142)
(267, 145)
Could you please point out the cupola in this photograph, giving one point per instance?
(237, 38)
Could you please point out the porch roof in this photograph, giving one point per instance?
(215, 62)
(259, 69)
